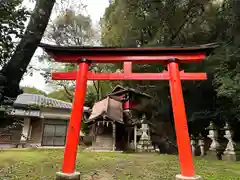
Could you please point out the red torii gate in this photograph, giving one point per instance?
(172, 57)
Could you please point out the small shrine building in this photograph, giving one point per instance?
(114, 120)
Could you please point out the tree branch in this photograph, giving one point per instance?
(69, 95)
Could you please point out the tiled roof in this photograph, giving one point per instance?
(26, 99)
(25, 112)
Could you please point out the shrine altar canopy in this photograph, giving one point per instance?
(170, 57)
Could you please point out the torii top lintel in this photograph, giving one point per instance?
(72, 54)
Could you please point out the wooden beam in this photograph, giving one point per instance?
(127, 67)
(140, 59)
(128, 76)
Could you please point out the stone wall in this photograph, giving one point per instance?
(10, 136)
(10, 139)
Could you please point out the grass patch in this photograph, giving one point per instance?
(42, 164)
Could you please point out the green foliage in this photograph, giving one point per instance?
(12, 18)
(71, 28)
(60, 95)
(102, 88)
(108, 165)
(84, 127)
(132, 23)
(91, 96)
(163, 23)
(32, 90)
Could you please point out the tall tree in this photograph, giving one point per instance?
(12, 20)
(164, 23)
(71, 27)
(9, 81)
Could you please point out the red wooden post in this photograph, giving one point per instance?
(75, 119)
(127, 67)
(180, 120)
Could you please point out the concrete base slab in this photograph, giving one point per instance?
(180, 177)
(64, 176)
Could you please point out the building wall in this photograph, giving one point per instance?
(11, 138)
(103, 142)
(54, 132)
(49, 116)
(36, 131)
(104, 138)
(35, 134)
(56, 114)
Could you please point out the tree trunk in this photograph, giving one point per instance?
(236, 10)
(12, 73)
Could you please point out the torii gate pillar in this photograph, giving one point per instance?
(180, 121)
(170, 56)
(74, 126)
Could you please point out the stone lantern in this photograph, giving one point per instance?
(231, 152)
(201, 144)
(145, 143)
(214, 150)
(193, 144)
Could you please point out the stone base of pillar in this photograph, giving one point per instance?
(22, 144)
(180, 177)
(212, 154)
(231, 156)
(64, 176)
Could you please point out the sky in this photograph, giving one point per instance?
(95, 8)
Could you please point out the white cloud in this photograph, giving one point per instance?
(95, 8)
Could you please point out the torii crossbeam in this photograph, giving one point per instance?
(172, 57)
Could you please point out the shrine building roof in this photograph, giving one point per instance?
(121, 90)
(106, 109)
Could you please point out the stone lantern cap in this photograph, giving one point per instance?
(227, 126)
(212, 126)
(200, 136)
